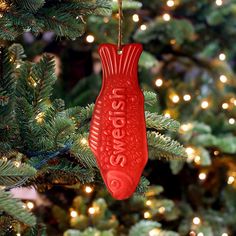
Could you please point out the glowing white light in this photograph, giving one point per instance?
(166, 17)
(143, 27)
(159, 82)
(30, 205)
(224, 234)
(90, 38)
(222, 57)
(202, 176)
(148, 202)
(219, 2)
(91, 210)
(73, 214)
(186, 127)
(223, 78)
(196, 220)
(17, 164)
(170, 3)
(135, 18)
(88, 189)
(232, 121)
(167, 114)
(197, 159)
(225, 106)
(231, 180)
(187, 97)
(205, 104)
(154, 232)
(147, 215)
(162, 210)
(190, 151)
(200, 234)
(175, 99)
(83, 141)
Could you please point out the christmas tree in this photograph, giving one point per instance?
(187, 72)
(43, 143)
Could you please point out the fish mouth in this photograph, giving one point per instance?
(120, 185)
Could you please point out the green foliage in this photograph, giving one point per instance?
(163, 146)
(88, 232)
(62, 17)
(162, 32)
(15, 208)
(159, 122)
(11, 175)
(143, 228)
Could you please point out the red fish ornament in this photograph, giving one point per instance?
(118, 131)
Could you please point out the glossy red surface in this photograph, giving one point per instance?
(118, 132)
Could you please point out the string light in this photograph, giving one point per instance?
(162, 210)
(170, 3)
(30, 205)
(222, 57)
(200, 234)
(205, 104)
(88, 189)
(148, 202)
(187, 97)
(90, 38)
(231, 180)
(224, 234)
(189, 150)
(225, 106)
(91, 210)
(223, 78)
(159, 82)
(83, 141)
(172, 41)
(73, 214)
(154, 232)
(143, 27)
(135, 18)
(202, 176)
(18, 234)
(175, 98)
(18, 66)
(167, 114)
(219, 2)
(40, 117)
(4, 158)
(166, 17)
(216, 153)
(232, 121)
(186, 127)
(196, 220)
(17, 164)
(197, 159)
(192, 233)
(147, 215)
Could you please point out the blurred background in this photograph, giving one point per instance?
(189, 62)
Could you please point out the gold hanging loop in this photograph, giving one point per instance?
(120, 17)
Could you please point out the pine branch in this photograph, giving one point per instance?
(159, 122)
(143, 228)
(30, 5)
(11, 175)
(43, 73)
(142, 186)
(81, 174)
(80, 149)
(150, 98)
(14, 208)
(162, 146)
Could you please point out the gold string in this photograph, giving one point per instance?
(120, 15)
